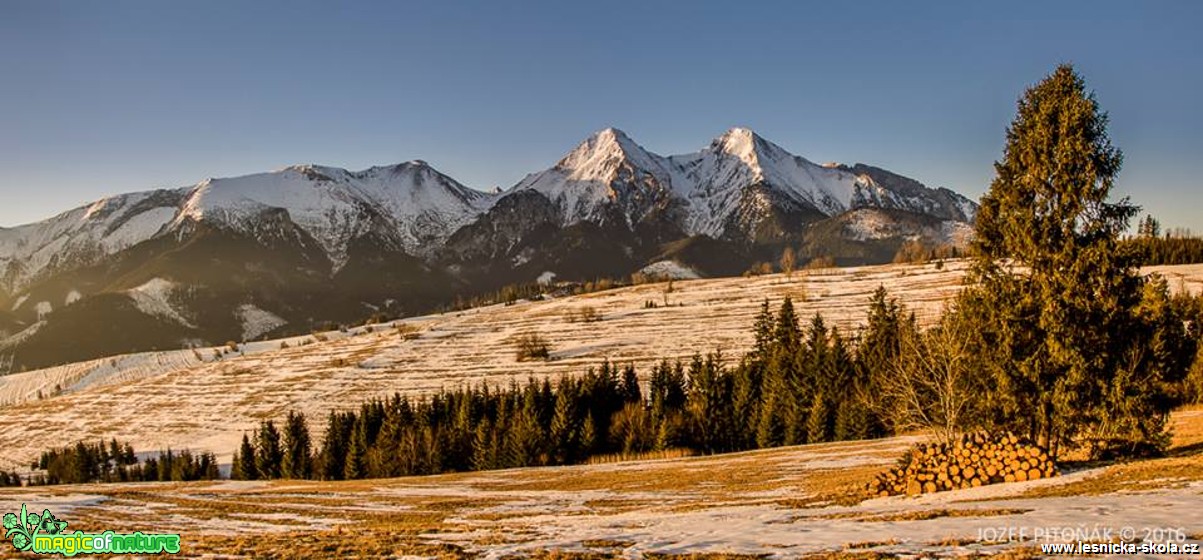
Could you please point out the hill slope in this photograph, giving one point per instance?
(205, 399)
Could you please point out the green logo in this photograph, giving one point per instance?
(43, 534)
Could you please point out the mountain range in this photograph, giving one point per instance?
(307, 246)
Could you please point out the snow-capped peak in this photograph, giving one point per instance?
(739, 142)
(738, 172)
(600, 156)
(410, 202)
(608, 167)
(412, 205)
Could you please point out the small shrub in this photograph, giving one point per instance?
(407, 331)
(821, 263)
(532, 346)
(587, 314)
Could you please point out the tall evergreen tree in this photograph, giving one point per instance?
(484, 447)
(564, 435)
(787, 333)
(333, 455)
(710, 405)
(356, 464)
(818, 420)
(296, 462)
(268, 453)
(526, 441)
(762, 329)
(244, 466)
(629, 386)
(1054, 288)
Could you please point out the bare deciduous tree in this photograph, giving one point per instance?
(788, 262)
(933, 385)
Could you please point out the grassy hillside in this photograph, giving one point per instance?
(203, 400)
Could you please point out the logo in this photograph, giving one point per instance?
(43, 534)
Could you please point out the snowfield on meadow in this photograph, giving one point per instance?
(783, 503)
(777, 503)
(203, 399)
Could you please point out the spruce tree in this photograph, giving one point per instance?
(817, 421)
(268, 453)
(763, 330)
(745, 396)
(770, 431)
(589, 436)
(629, 386)
(710, 406)
(333, 455)
(787, 333)
(526, 438)
(244, 464)
(355, 464)
(1054, 288)
(484, 447)
(296, 462)
(564, 435)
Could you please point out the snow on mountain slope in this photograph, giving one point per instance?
(257, 321)
(84, 235)
(865, 224)
(739, 179)
(712, 184)
(154, 298)
(719, 174)
(608, 167)
(411, 204)
(670, 269)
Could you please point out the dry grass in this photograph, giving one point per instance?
(464, 515)
(1187, 427)
(606, 543)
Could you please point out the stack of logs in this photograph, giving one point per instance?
(969, 461)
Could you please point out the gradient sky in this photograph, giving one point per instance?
(98, 98)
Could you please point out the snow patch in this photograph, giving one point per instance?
(20, 300)
(869, 225)
(86, 234)
(956, 233)
(670, 269)
(256, 322)
(154, 298)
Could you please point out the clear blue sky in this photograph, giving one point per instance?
(98, 98)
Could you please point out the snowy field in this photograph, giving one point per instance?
(780, 503)
(204, 399)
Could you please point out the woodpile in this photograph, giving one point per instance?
(972, 460)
